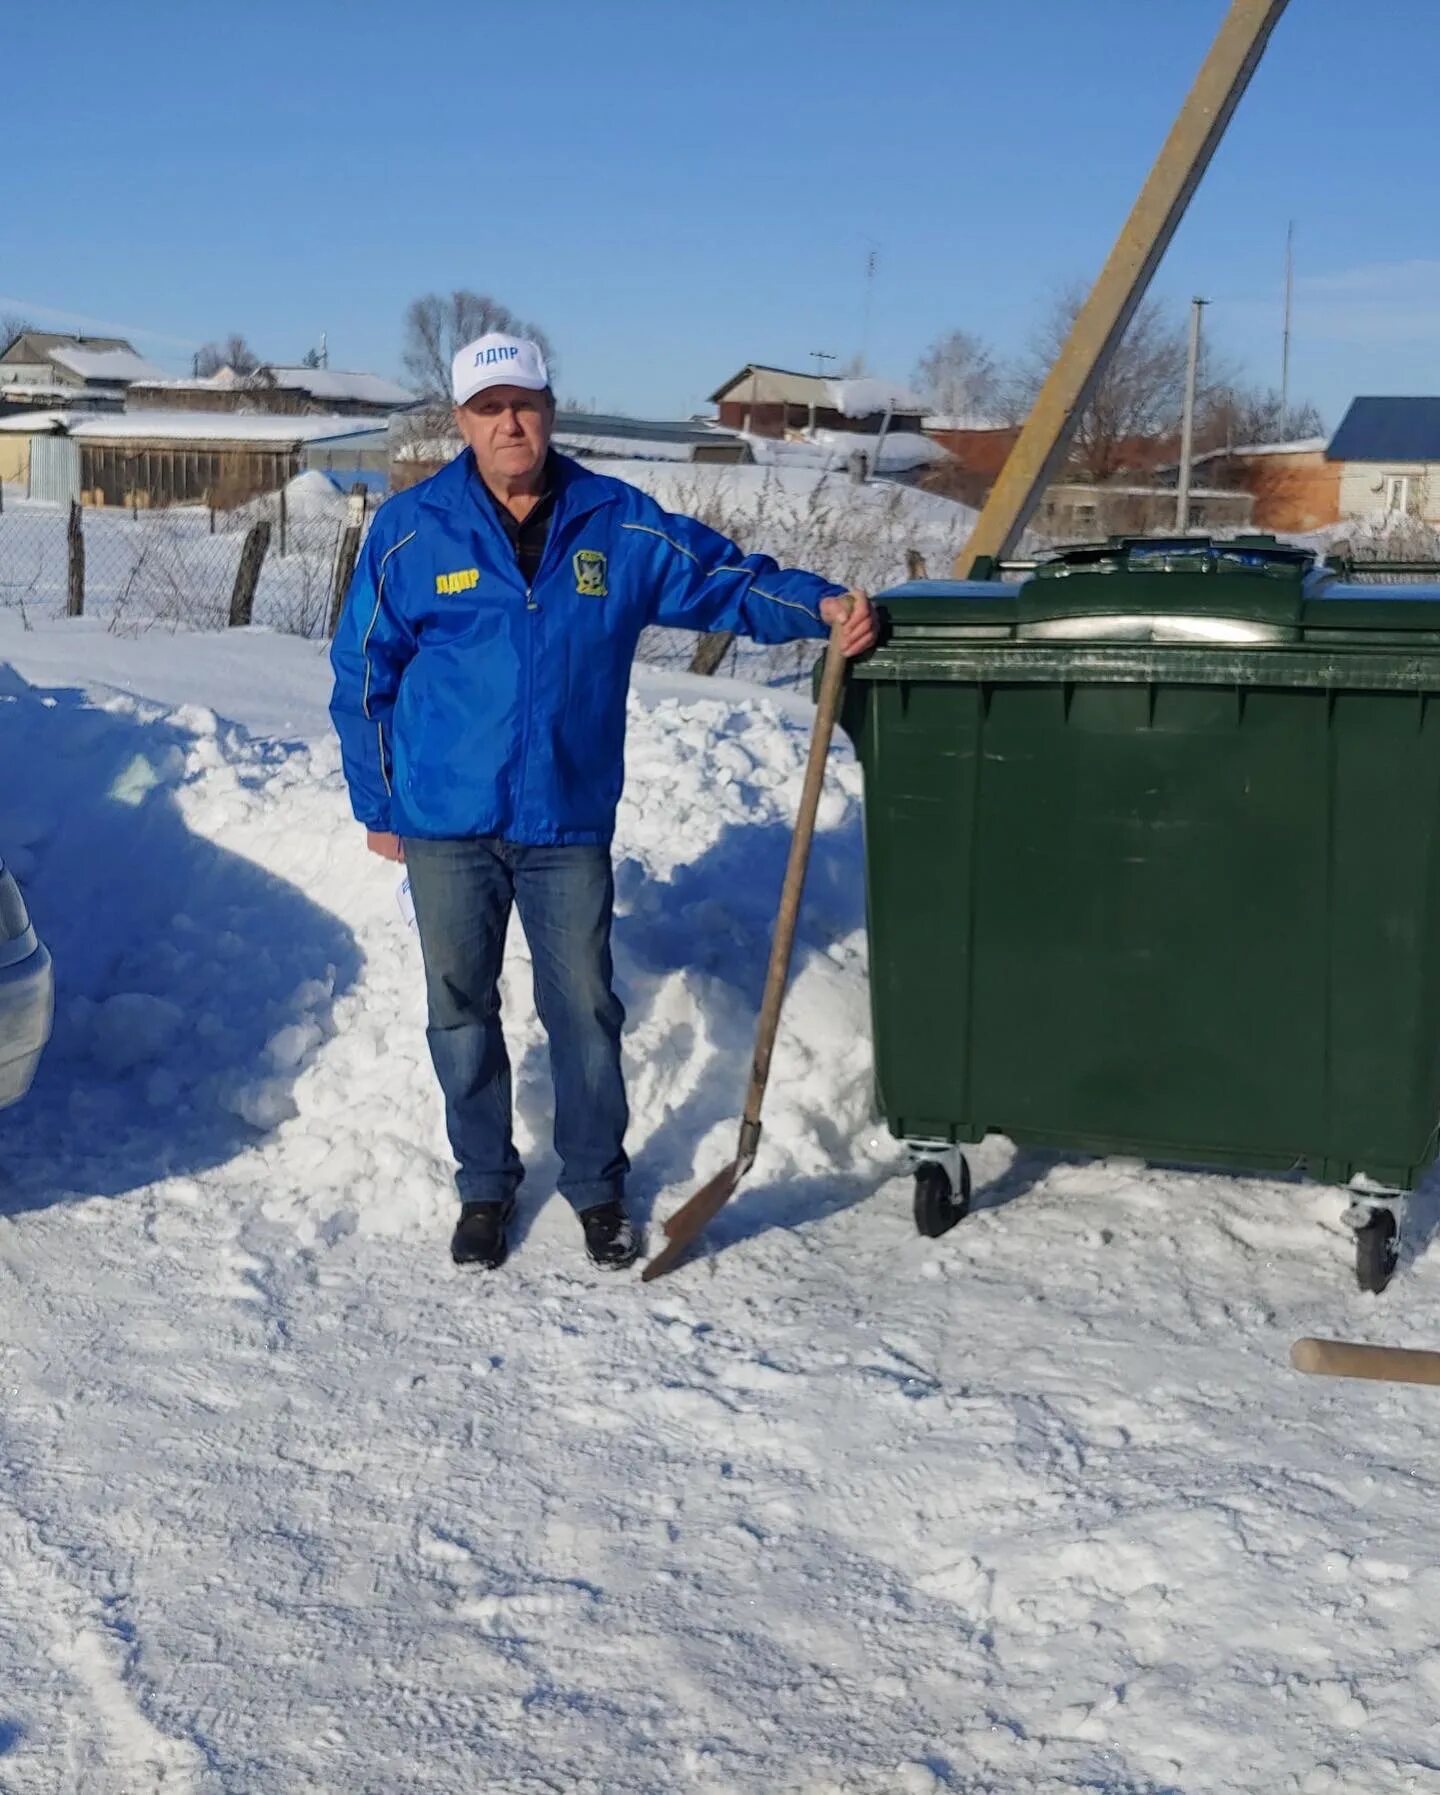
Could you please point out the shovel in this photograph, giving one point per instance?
(691, 1217)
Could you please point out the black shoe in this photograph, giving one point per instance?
(479, 1237)
(610, 1237)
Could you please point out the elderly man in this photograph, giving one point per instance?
(481, 671)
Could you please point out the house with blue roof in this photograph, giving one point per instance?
(1387, 455)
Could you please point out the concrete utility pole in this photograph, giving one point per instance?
(1143, 240)
(1187, 419)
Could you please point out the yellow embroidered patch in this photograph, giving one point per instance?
(464, 581)
(590, 573)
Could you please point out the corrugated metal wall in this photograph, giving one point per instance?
(54, 469)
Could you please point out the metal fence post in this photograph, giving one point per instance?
(75, 542)
(284, 522)
(247, 575)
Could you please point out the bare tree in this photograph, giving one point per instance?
(437, 324)
(12, 325)
(959, 376)
(1235, 415)
(234, 353)
(1140, 396)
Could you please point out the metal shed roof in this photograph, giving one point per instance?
(1388, 429)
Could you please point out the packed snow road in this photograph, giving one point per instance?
(289, 1504)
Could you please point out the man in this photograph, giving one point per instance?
(481, 671)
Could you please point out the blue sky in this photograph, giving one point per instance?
(673, 189)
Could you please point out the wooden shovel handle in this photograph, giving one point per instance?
(827, 709)
(1384, 1364)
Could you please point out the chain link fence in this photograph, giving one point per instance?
(183, 567)
(279, 560)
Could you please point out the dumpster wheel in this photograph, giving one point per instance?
(937, 1206)
(1377, 1249)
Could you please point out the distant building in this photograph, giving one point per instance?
(1295, 485)
(416, 452)
(282, 391)
(42, 367)
(355, 457)
(978, 448)
(1386, 455)
(1084, 510)
(776, 401)
(145, 459)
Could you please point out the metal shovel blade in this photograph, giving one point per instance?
(691, 1218)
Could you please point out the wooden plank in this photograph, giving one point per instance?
(1143, 240)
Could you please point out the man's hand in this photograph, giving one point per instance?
(388, 847)
(862, 628)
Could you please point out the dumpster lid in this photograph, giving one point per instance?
(1250, 590)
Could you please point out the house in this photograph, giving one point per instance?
(151, 458)
(773, 401)
(1386, 457)
(978, 448)
(418, 451)
(282, 391)
(40, 367)
(589, 434)
(1381, 465)
(1295, 485)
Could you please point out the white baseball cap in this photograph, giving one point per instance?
(497, 360)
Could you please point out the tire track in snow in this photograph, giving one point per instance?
(98, 1735)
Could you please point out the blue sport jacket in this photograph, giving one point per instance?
(468, 705)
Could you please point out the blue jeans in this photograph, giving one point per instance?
(463, 893)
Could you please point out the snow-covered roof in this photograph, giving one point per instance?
(1308, 445)
(757, 384)
(29, 389)
(832, 449)
(223, 382)
(38, 423)
(963, 420)
(863, 397)
(336, 383)
(216, 426)
(650, 439)
(107, 364)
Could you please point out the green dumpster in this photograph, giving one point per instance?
(1152, 847)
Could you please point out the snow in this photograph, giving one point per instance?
(223, 380)
(899, 451)
(220, 426)
(336, 383)
(291, 1504)
(107, 364)
(164, 570)
(24, 389)
(1309, 445)
(964, 420)
(587, 446)
(864, 396)
(313, 494)
(38, 423)
(811, 517)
